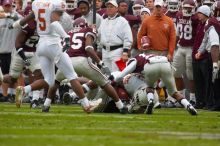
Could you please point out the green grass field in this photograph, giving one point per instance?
(70, 126)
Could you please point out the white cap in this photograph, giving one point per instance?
(204, 10)
(113, 2)
(158, 3)
(145, 10)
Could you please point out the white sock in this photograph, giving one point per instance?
(84, 102)
(150, 96)
(119, 104)
(86, 87)
(184, 102)
(47, 102)
(192, 97)
(36, 95)
(41, 94)
(27, 89)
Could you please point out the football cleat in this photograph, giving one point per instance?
(67, 98)
(19, 93)
(191, 110)
(150, 106)
(124, 110)
(35, 104)
(45, 109)
(92, 105)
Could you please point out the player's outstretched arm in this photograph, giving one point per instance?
(21, 22)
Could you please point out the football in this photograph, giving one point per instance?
(145, 43)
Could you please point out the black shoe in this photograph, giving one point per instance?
(191, 110)
(67, 98)
(150, 106)
(34, 104)
(45, 109)
(11, 98)
(4, 99)
(124, 110)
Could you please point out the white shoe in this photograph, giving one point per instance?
(19, 93)
(92, 105)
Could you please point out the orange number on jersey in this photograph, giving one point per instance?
(41, 19)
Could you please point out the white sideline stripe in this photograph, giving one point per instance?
(169, 135)
(128, 116)
(186, 135)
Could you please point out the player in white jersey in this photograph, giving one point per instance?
(47, 14)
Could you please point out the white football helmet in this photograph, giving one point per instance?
(208, 2)
(173, 5)
(137, 6)
(140, 97)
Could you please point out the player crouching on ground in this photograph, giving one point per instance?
(154, 67)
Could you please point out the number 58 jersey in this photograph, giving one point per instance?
(186, 29)
(42, 10)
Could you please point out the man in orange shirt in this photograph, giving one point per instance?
(160, 30)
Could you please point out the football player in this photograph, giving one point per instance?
(153, 68)
(82, 38)
(216, 10)
(47, 13)
(186, 30)
(24, 57)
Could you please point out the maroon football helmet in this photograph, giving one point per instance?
(145, 43)
(80, 23)
(188, 7)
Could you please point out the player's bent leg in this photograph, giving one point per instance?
(150, 98)
(185, 103)
(51, 94)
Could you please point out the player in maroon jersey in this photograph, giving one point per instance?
(186, 30)
(153, 68)
(82, 38)
(24, 57)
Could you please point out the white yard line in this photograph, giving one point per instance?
(161, 135)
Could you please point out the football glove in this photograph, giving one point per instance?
(66, 44)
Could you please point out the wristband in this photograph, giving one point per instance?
(87, 47)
